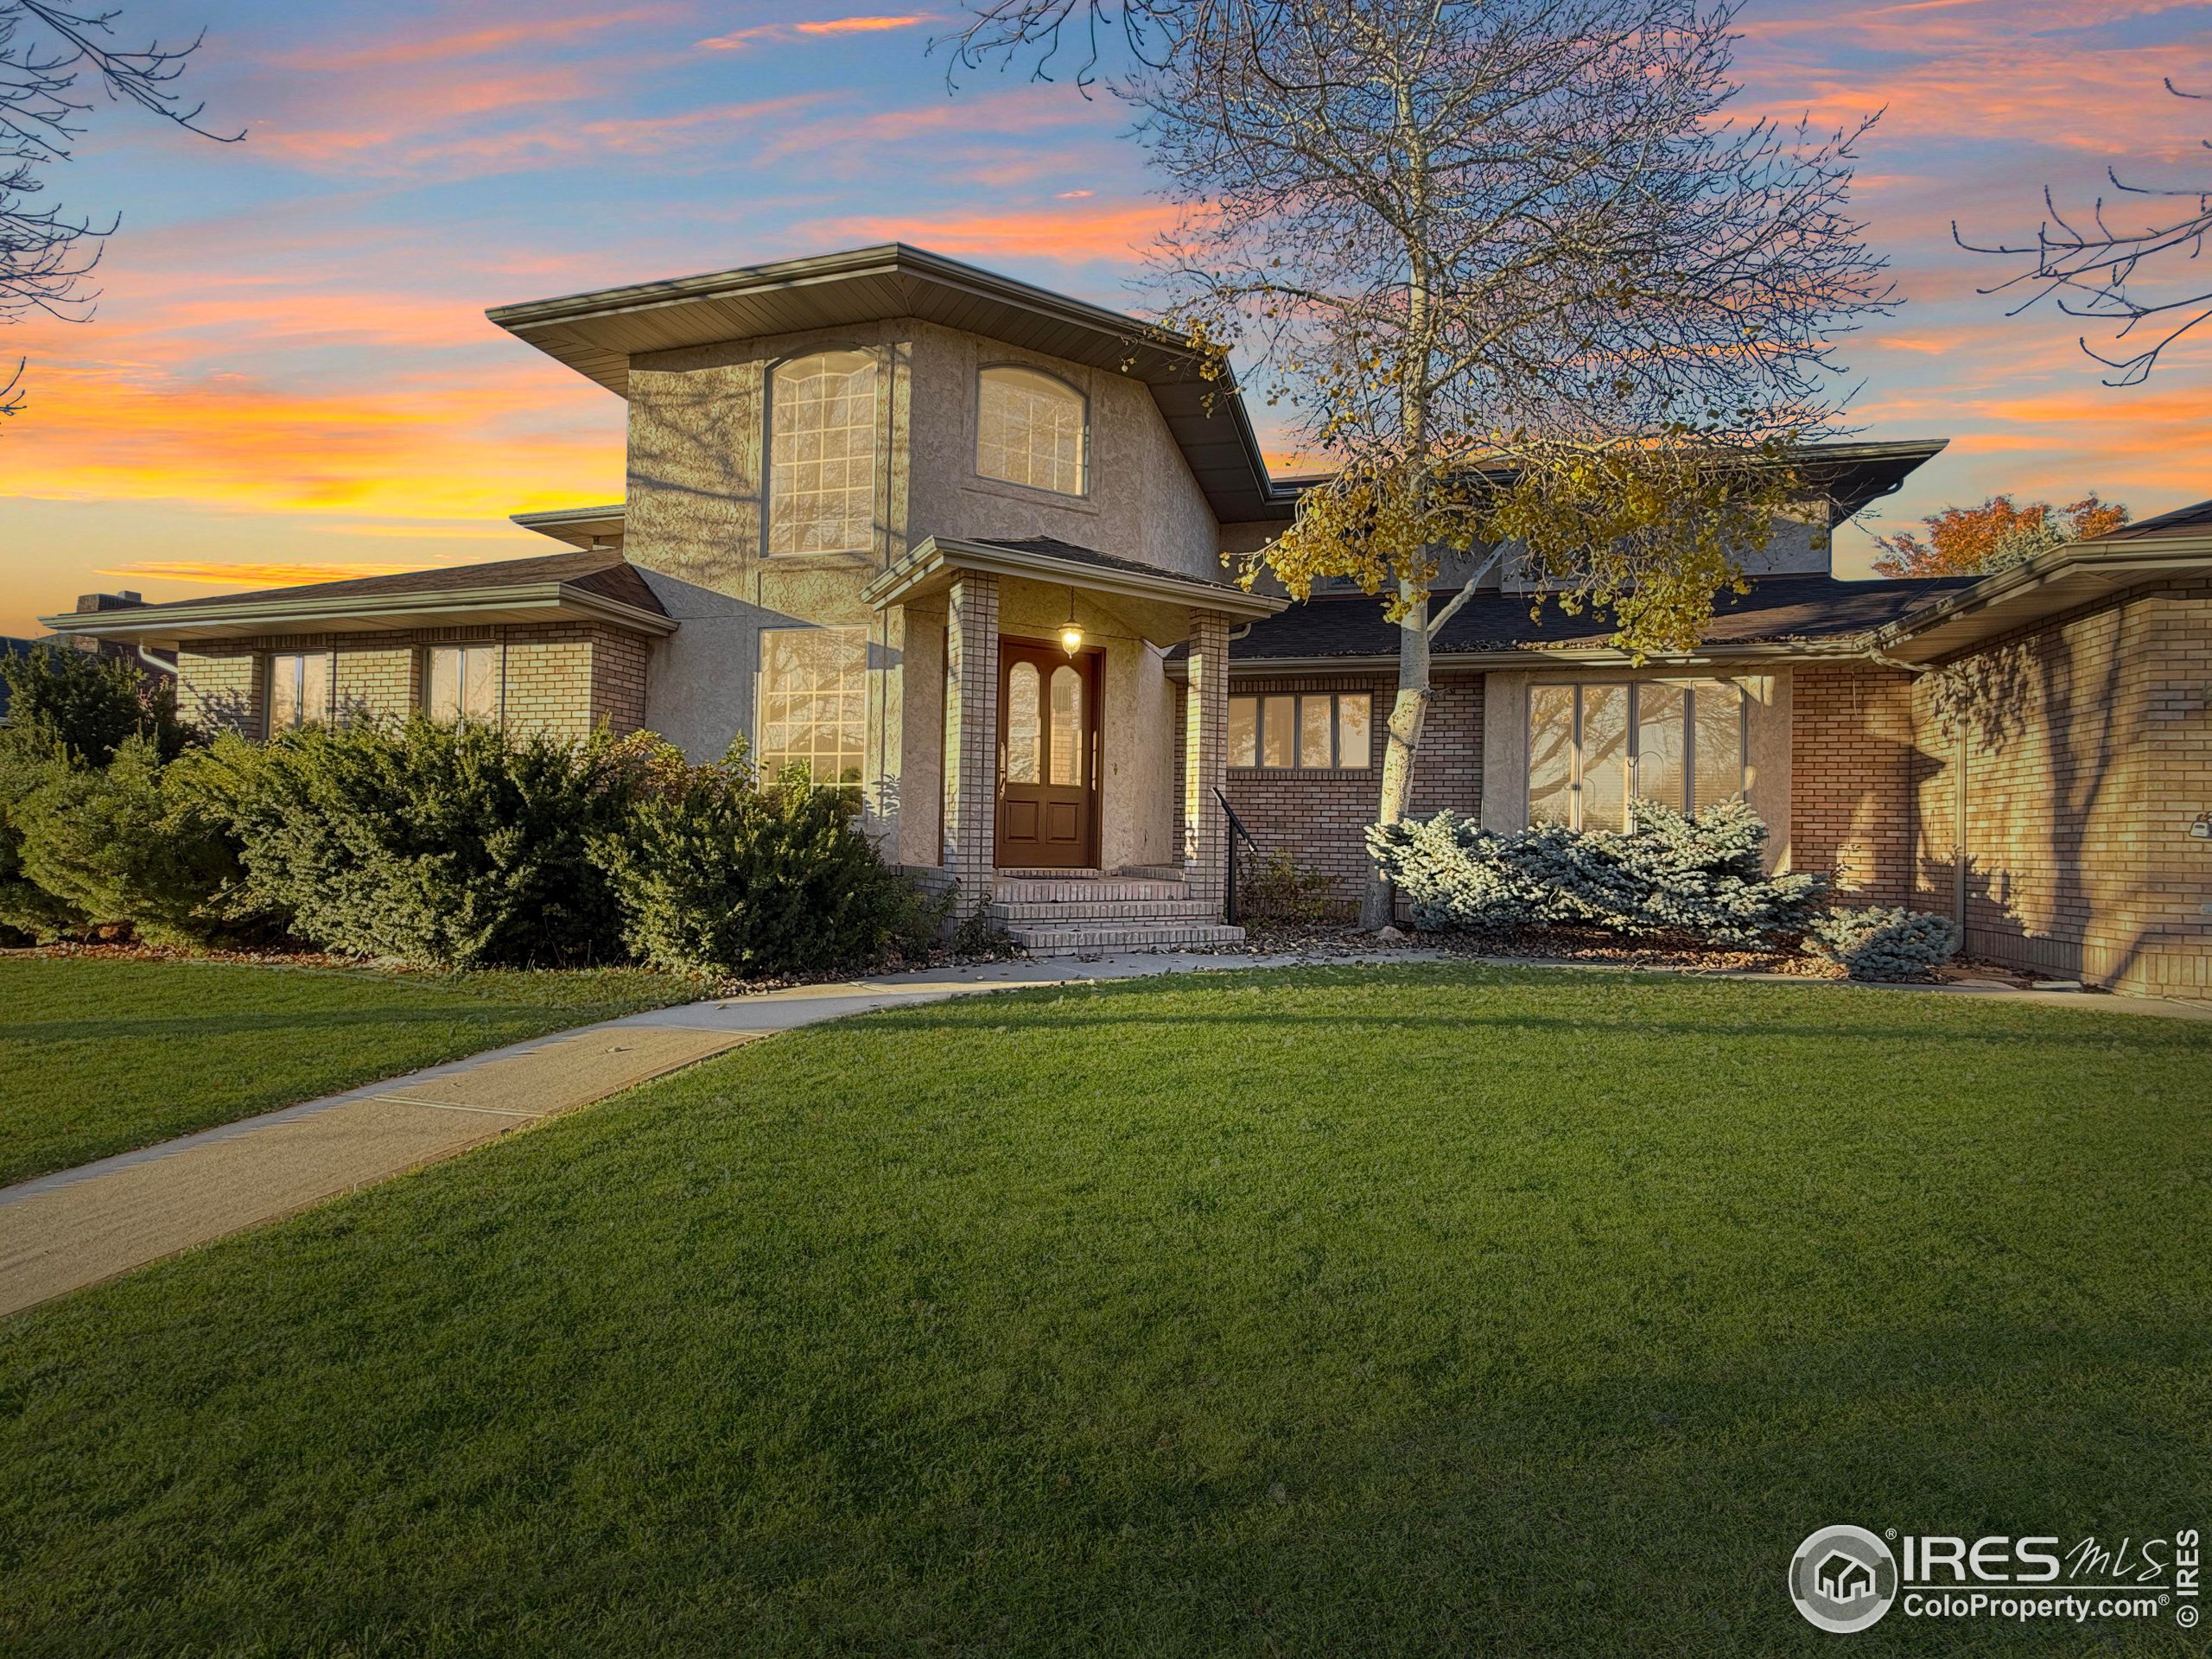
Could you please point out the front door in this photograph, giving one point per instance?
(1048, 757)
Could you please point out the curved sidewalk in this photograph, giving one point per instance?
(64, 1231)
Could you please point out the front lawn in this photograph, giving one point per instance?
(1349, 1311)
(99, 1055)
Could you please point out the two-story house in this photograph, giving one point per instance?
(960, 542)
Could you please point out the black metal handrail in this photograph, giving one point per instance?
(1235, 829)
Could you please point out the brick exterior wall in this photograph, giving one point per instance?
(2083, 749)
(1852, 765)
(1202, 757)
(971, 647)
(1321, 817)
(561, 678)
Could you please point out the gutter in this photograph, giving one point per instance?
(2082, 558)
(280, 616)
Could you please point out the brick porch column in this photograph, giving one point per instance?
(971, 737)
(1206, 758)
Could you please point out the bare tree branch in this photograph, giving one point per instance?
(47, 253)
(2127, 278)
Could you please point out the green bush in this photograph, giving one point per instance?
(1883, 942)
(456, 845)
(715, 875)
(28, 913)
(86, 705)
(1672, 874)
(1282, 889)
(114, 846)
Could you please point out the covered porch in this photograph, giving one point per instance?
(1073, 783)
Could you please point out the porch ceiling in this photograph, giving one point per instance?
(1157, 603)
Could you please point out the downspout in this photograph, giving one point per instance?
(502, 677)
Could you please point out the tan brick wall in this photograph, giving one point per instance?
(1321, 817)
(561, 678)
(1851, 773)
(221, 690)
(2085, 749)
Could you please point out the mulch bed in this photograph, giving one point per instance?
(1336, 938)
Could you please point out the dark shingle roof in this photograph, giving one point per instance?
(2182, 521)
(608, 574)
(1053, 547)
(1778, 610)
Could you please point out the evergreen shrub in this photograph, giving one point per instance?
(1883, 942)
(717, 874)
(1673, 873)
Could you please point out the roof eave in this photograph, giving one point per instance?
(2047, 585)
(362, 613)
(935, 559)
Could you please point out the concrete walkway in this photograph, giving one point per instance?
(77, 1227)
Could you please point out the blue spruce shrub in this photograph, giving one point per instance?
(1674, 873)
(1883, 942)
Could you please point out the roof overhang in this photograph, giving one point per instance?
(1538, 658)
(2065, 579)
(593, 529)
(1159, 602)
(527, 602)
(598, 333)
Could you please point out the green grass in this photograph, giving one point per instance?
(1348, 1312)
(101, 1056)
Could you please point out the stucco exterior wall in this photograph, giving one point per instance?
(2081, 752)
(561, 678)
(1143, 502)
(695, 523)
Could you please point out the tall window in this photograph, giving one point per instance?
(1595, 750)
(298, 690)
(1031, 428)
(822, 454)
(814, 702)
(462, 683)
(1318, 731)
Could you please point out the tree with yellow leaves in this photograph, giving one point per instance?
(1507, 265)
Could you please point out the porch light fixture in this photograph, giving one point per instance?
(1072, 635)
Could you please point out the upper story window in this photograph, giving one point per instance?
(462, 683)
(298, 690)
(1032, 430)
(822, 454)
(1595, 750)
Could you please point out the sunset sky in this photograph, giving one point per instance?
(291, 376)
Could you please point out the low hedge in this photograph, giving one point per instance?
(454, 845)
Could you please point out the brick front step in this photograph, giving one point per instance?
(1077, 939)
(1008, 911)
(1083, 890)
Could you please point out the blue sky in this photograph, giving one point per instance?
(291, 376)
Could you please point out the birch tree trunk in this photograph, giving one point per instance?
(1409, 718)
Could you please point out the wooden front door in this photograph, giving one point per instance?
(1048, 757)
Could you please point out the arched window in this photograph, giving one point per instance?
(822, 454)
(1034, 429)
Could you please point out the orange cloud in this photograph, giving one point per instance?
(247, 574)
(738, 40)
